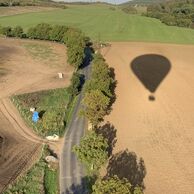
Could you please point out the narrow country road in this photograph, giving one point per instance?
(71, 172)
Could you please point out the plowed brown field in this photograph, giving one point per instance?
(24, 70)
(154, 111)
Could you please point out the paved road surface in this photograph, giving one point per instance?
(71, 172)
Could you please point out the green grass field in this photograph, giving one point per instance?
(44, 101)
(101, 23)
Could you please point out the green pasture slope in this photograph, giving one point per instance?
(102, 23)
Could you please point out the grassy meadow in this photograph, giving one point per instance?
(105, 24)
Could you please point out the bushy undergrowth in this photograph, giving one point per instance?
(54, 108)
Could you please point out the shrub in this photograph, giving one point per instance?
(7, 31)
(57, 33)
(181, 22)
(18, 32)
(53, 120)
(40, 31)
(74, 88)
(169, 20)
(50, 178)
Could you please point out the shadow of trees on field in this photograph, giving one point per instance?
(125, 164)
(112, 86)
(109, 132)
(151, 69)
(1, 145)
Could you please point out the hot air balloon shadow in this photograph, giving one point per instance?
(151, 69)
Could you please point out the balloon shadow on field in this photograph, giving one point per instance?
(127, 165)
(151, 69)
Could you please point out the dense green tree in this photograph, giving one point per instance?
(102, 85)
(75, 41)
(169, 20)
(183, 22)
(112, 185)
(73, 89)
(95, 106)
(99, 70)
(173, 13)
(92, 151)
(137, 190)
(100, 77)
(75, 55)
(74, 37)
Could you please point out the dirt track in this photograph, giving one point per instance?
(21, 72)
(161, 131)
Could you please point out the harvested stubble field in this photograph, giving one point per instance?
(153, 112)
(6, 11)
(24, 71)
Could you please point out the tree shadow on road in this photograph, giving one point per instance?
(108, 131)
(84, 188)
(88, 51)
(125, 164)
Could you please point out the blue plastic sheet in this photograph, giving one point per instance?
(35, 117)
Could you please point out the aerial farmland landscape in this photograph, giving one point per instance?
(96, 97)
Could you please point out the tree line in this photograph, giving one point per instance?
(173, 13)
(93, 150)
(45, 3)
(74, 39)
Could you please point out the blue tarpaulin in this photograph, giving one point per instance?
(35, 117)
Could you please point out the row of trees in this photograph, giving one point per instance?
(173, 13)
(93, 150)
(73, 38)
(99, 91)
(6, 3)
